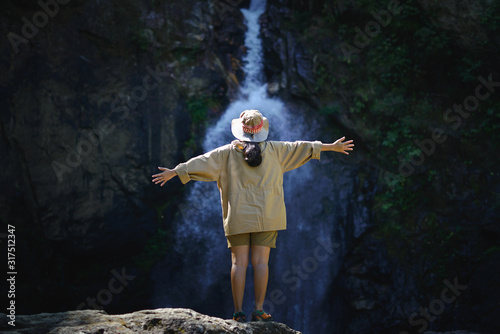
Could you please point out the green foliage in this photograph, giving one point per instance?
(329, 110)
(155, 249)
(491, 18)
(199, 107)
(394, 202)
(492, 251)
(408, 225)
(328, 13)
(430, 42)
(156, 246)
(468, 69)
(394, 91)
(441, 245)
(191, 145)
(392, 60)
(324, 77)
(397, 138)
(144, 38)
(485, 122)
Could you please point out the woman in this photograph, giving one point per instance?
(252, 199)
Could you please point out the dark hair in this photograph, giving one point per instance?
(253, 155)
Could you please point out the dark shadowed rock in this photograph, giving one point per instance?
(65, 88)
(166, 320)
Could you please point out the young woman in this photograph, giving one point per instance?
(249, 175)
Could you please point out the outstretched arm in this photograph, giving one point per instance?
(206, 167)
(165, 176)
(339, 146)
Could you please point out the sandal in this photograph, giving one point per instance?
(261, 316)
(239, 317)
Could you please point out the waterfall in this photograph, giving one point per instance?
(253, 92)
(302, 267)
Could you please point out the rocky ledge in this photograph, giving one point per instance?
(166, 320)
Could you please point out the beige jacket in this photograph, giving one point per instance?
(251, 197)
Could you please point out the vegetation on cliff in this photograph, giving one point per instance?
(417, 83)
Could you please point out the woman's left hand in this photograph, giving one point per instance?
(342, 146)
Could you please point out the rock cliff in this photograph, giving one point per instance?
(387, 74)
(95, 95)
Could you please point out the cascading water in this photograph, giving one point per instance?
(305, 262)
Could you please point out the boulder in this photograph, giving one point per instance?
(163, 320)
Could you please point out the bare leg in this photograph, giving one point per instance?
(239, 258)
(260, 260)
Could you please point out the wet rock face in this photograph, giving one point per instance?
(147, 321)
(95, 95)
(375, 290)
(98, 97)
(461, 18)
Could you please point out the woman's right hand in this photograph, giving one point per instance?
(163, 177)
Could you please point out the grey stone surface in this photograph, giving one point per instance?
(164, 320)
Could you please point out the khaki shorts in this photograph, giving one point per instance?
(267, 239)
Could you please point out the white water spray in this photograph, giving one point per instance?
(253, 92)
(201, 214)
(203, 259)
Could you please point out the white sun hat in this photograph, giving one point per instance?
(251, 126)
